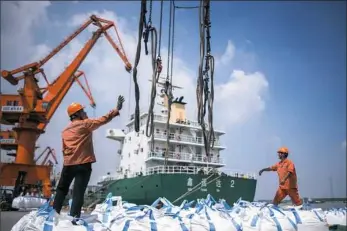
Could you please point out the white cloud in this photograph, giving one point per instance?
(241, 97)
(236, 100)
(17, 26)
(227, 56)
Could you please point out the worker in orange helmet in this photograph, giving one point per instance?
(287, 178)
(78, 152)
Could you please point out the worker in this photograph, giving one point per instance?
(78, 153)
(287, 178)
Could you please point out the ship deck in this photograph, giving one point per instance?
(176, 169)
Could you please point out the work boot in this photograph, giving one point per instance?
(298, 207)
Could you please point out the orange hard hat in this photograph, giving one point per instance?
(283, 150)
(73, 108)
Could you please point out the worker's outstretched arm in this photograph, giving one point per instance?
(272, 168)
(93, 124)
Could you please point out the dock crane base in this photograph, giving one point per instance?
(34, 175)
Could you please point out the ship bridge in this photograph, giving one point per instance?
(137, 153)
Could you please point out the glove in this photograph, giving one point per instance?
(120, 102)
(260, 172)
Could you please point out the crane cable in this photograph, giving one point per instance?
(205, 96)
(142, 21)
(168, 82)
(156, 67)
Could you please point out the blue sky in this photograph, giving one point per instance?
(299, 100)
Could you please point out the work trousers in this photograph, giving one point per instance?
(81, 173)
(292, 193)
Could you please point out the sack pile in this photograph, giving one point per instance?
(28, 202)
(204, 215)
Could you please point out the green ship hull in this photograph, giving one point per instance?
(146, 189)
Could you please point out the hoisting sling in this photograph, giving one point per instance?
(204, 92)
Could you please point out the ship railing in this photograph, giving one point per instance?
(176, 169)
(183, 138)
(161, 118)
(186, 156)
(240, 174)
(195, 124)
(173, 169)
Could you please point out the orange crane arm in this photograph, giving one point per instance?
(43, 152)
(51, 101)
(35, 66)
(52, 153)
(57, 90)
(87, 91)
(48, 151)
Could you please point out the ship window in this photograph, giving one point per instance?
(156, 185)
(141, 149)
(136, 151)
(165, 132)
(157, 131)
(141, 186)
(129, 138)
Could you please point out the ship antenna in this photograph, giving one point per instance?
(204, 92)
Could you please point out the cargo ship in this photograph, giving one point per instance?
(146, 171)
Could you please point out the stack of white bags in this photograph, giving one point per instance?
(207, 215)
(28, 202)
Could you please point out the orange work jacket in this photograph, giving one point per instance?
(282, 168)
(78, 139)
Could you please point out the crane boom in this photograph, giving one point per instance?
(35, 66)
(47, 151)
(35, 110)
(51, 101)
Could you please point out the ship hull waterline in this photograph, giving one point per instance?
(144, 190)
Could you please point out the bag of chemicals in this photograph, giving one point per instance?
(100, 208)
(103, 211)
(25, 221)
(127, 205)
(144, 222)
(26, 202)
(206, 217)
(268, 219)
(36, 202)
(242, 208)
(54, 222)
(35, 219)
(223, 205)
(309, 220)
(171, 222)
(185, 205)
(336, 217)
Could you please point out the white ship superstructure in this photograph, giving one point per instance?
(186, 146)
